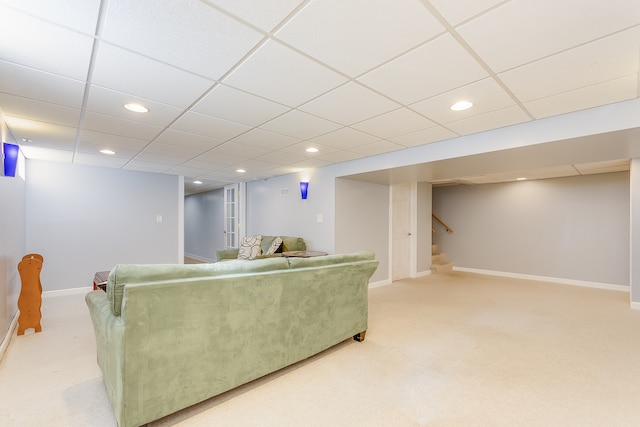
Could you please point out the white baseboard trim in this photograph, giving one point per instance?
(199, 258)
(635, 305)
(7, 339)
(583, 283)
(379, 283)
(63, 292)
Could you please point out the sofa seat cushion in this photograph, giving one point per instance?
(124, 274)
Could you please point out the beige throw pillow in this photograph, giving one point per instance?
(249, 247)
(275, 245)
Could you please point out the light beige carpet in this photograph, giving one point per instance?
(443, 350)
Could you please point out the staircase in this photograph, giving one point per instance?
(439, 263)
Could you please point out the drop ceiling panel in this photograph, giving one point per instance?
(282, 157)
(493, 120)
(170, 154)
(87, 159)
(111, 103)
(377, 147)
(239, 150)
(179, 35)
(145, 166)
(39, 85)
(300, 125)
(43, 46)
(485, 94)
(368, 33)
(349, 104)
(232, 104)
(544, 27)
(394, 123)
(278, 73)
(265, 139)
(301, 148)
(209, 126)
(187, 140)
(425, 136)
(617, 56)
(344, 138)
(458, 11)
(123, 153)
(117, 126)
(339, 156)
(110, 141)
(252, 167)
(217, 159)
(264, 15)
(41, 134)
(586, 97)
(137, 75)
(436, 67)
(80, 15)
(310, 164)
(20, 107)
(191, 168)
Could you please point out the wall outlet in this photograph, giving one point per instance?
(319, 218)
(158, 218)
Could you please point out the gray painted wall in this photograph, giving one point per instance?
(204, 224)
(12, 246)
(362, 221)
(423, 227)
(573, 228)
(86, 219)
(635, 232)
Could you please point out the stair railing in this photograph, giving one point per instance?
(438, 220)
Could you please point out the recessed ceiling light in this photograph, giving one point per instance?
(110, 152)
(197, 182)
(312, 150)
(26, 140)
(136, 108)
(240, 170)
(462, 105)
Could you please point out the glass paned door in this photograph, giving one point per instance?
(231, 216)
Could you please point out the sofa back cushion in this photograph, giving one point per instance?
(330, 259)
(293, 244)
(124, 274)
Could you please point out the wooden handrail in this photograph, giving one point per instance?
(446, 227)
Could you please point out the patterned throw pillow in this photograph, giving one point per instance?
(275, 245)
(249, 247)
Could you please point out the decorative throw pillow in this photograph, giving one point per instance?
(249, 247)
(275, 245)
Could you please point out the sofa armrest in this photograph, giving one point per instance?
(227, 254)
(109, 332)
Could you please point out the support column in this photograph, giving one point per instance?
(634, 250)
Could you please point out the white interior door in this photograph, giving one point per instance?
(400, 231)
(231, 213)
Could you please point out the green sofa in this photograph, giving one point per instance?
(170, 336)
(288, 244)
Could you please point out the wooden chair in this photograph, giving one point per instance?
(30, 299)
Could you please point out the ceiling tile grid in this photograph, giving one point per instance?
(239, 83)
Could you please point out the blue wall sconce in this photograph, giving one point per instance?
(304, 187)
(10, 158)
